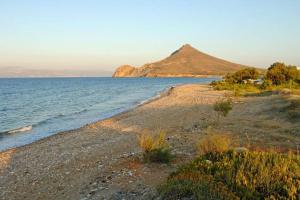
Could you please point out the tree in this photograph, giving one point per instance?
(279, 73)
(293, 73)
(241, 75)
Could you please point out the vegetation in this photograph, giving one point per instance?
(221, 172)
(155, 148)
(222, 107)
(277, 77)
(235, 175)
(242, 75)
(238, 89)
(214, 143)
(279, 73)
(223, 85)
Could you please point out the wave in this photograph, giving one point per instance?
(79, 112)
(18, 130)
(59, 116)
(30, 127)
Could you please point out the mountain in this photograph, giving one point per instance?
(184, 62)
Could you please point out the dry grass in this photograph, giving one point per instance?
(296, 91)
(155, 148)
(214, 143)
(148, 142)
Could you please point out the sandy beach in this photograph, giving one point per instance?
(102, 160)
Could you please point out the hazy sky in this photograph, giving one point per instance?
(95, 34)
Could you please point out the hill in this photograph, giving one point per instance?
(184, 62)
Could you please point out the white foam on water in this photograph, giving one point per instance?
(22, 129)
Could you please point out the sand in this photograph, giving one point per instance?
(103, 160)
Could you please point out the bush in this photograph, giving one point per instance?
(214, 143)
(266, 85)
(155, 148)
(221, 85)
(233, 175)
(238, 89)
(279, 73)
(160, 155)
(242, 75)
(222, 107)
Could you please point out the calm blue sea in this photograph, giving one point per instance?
(34, 108)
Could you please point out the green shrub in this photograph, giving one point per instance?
(155, 148)
(221, 85)
(161, 155)
(292, 85)
(238, 89)
(266, 84)
(222, 107)
(242, 75)
(234, 175)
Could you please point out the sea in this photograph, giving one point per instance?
(35, 108)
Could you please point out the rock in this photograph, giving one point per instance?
(208, 161)
(124, 71)
(285, 91)
(240, 149)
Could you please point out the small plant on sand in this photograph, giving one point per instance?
(222, 107)
(213, 142)
(155, 148)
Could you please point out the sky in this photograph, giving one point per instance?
(95, 34)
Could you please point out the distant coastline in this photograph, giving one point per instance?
(24, 72)
(176, 76)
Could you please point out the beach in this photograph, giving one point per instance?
(102, 160)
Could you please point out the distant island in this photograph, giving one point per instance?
(184, 62)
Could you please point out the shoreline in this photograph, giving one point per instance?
(68, 165)
(157, 96)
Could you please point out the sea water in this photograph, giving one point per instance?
(34, 108)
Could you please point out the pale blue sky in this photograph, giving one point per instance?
(95, 34)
